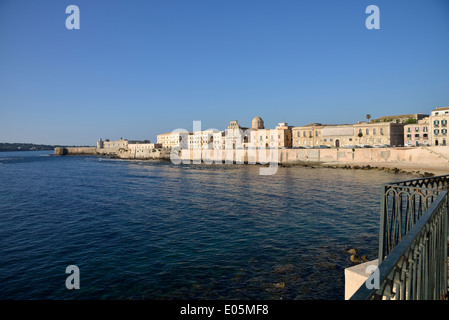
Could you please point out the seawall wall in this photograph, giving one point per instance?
(412, 158)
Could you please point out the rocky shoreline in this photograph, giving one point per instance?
(394, 170)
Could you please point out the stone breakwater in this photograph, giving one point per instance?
(150, 154)
(428, 160)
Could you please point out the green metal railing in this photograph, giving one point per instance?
(413, 242)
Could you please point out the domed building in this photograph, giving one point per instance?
(257, 123)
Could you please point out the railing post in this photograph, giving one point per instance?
(382, 224)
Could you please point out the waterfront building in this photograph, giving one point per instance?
(284, 132)
(308, 135)
(143, 148)
(257, 123)
(202, 139)
(259, 137)
(338, 135)
(379, 133)
(219, 140)
(100, 144)
(347, 135)
(235, 137)
(109, 147)
(173, 139)
(164, 139)
(418, 134)
(438, 126)
(115, 145)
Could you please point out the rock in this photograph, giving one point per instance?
(326, 265)
(285, 268)
(365, 258)
(427, 174)
(280, 285)
(352, 251)
(355, 259)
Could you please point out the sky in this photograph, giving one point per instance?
(135, 69)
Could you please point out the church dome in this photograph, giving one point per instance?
(257, 123)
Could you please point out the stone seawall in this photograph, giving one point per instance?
(418, 158)
(407, 158)
(64, 151)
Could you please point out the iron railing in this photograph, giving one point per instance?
(402, 204)
(413, 242)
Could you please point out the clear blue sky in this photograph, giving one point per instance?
(139, 68)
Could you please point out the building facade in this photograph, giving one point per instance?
(418, 134)
(174, 139)
(349, 135)
(379, 133)
(308, 135)
(338, 135)
(438, 125)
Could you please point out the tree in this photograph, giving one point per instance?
(360, 135)
(368, 116)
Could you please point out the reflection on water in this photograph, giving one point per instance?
(153, 230)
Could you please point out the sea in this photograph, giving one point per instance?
(153, 230)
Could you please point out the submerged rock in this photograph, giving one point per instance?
(280, 285)
(355, 259)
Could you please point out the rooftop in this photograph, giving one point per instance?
(443, 108)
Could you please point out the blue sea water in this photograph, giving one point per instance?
(155, 230)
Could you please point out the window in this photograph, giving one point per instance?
(444, 131)
(367, 131)
(316, 133)
(436, 122)
(417, 135)
(408, 129)
(409, 136)
(436, 131)
(425, 135)
(416, 129)
(350, 139)
(374, 131)
(381, 130)
(424, 129)
(360, 130)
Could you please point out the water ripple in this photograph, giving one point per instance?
(153, 230)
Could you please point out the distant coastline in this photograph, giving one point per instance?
(26, 147)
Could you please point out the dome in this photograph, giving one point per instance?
(257, 123)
